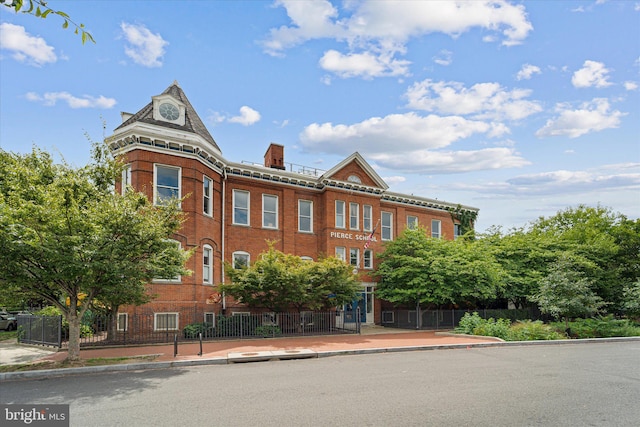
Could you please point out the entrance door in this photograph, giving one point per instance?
(350, 309)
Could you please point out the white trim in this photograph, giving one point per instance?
(177, 279)
(213, 318)
(207, 267)
(366, 208)
(125, 179)
(248, 208)
(155, 321)
(343, 223)
(368, 266)
(384, 227)
(436, 234)
(341, 253)
(265, 224)
(156, 197)
(354, 207)
(243, 254)
(126, 322)
(310, 202)
(207, 199)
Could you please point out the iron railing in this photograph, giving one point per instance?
(449, 319)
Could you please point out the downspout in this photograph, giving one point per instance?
(224, 226)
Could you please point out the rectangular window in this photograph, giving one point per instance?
(340, 214)
(167, 184)
(210, 319)
(207, 200)
(125, 181)
(341, 253)
(386, 230)
(269, 211)
(165, 321)
(368, 259)
(354, 216)
(240, 207)
(457, 231)
(123, 320)
(207, 266)
(354, 257)
(240, 259)
(305, 216)
(412, 222)
(435, 228)
(367, 214)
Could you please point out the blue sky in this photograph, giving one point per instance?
(520, 109)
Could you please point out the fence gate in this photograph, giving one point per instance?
(43, 330)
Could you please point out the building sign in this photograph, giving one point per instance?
(352, 236)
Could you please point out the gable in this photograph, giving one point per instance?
(355, 170)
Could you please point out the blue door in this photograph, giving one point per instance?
(350, 309)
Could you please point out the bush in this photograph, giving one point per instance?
(468, 323)
(268, 331)
(191, 331)
(600, 327)
(534, 330)
(86, 330)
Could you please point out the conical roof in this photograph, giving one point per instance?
(192, 124)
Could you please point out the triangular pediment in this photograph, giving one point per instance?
(355, 170)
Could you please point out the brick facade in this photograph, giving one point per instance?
(186, 146)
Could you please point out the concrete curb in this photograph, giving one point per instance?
(246, 357)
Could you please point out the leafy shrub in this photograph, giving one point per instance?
(268, 331)
(533, 330)
(86, 330)
(192, 330)
(494, 328)
(468, 323)
(600, 327)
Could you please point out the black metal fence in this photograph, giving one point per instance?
(449, 319)
(132, 329)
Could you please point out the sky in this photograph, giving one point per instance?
(520, 109)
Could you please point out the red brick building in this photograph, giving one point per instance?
(234, 208)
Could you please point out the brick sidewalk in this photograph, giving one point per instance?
(213, 349)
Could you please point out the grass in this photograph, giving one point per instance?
(8, 335)
(50, 364)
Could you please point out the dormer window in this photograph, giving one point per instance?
(354, 178)
(168, 109)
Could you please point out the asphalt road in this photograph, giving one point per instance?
(557, 385)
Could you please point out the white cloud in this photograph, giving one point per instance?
(592, 73)
(426, 162)
(366, 65)
(610, 178)
(247, 117)
(377, 134)
(25, 47)
(376, 32)
(144, 47)
(630, 85)
(481, 101)
(444, 58)
(51, 98)
(393, 180)
(590, 117)
(527, 71)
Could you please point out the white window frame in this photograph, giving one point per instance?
(119, 327)
(368, 259)
(241, 313)
(207, 199)
(354, 253)
(367, 216)
(306, 258)
(240, 255)
(412, 222)
(176, 317)
(341, 253)
(354, 216)
(177, 279)
(157, 200)
(266, 213)
(340, 214)
(436, 224)
(457, 228)
(301, 216)
(125, 180)
(386, 229)
(207, 265)
(212, 315)
(241, 208)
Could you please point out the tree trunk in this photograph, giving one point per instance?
(112, 323)
(73, 352)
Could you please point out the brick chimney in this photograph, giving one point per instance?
(274, 157)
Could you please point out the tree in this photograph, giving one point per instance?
(279, 281)
(65, 233)
(40, 9)
(566, 291)
(417, 269)
(631, 304)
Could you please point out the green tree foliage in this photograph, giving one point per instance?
(41, 9)
(631, 305)
(279, 281)
(566, 291)
(65, 235)
(416, 269)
